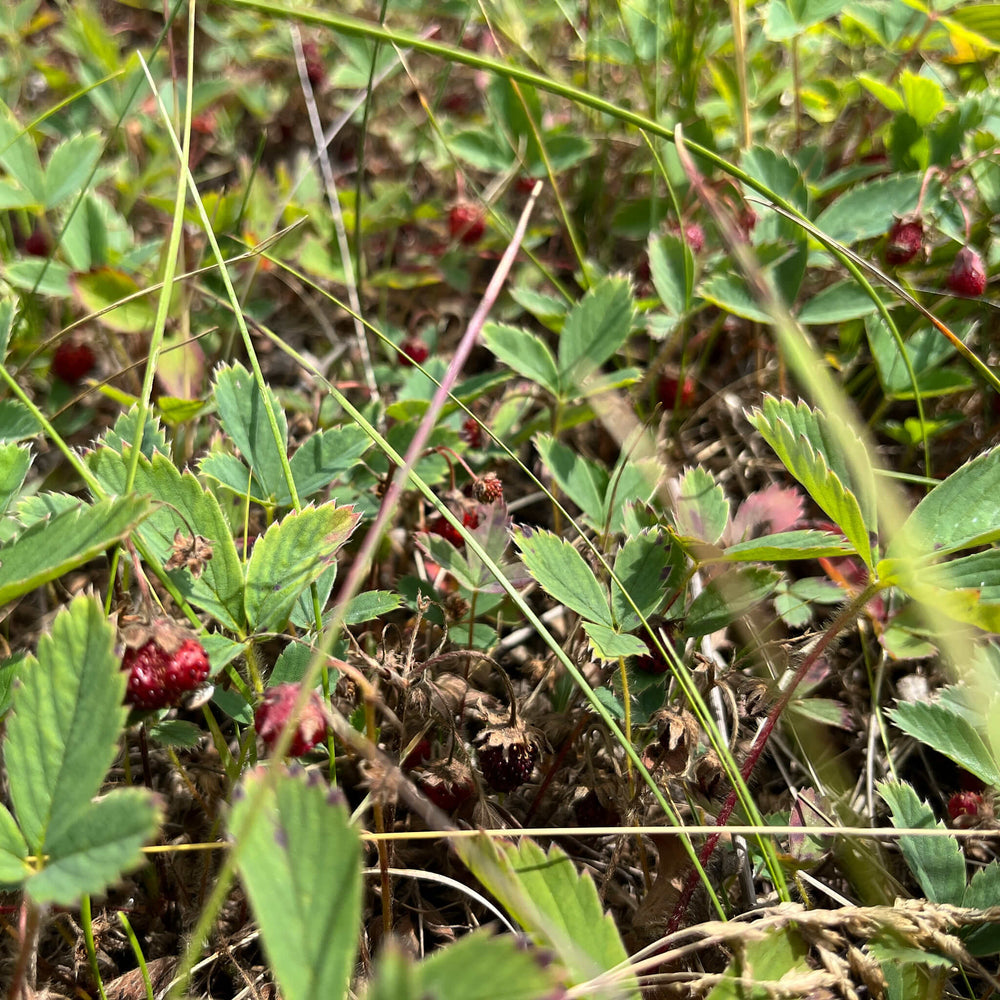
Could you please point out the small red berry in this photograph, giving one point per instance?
(37, 244)
(904, 241)
(489, 489)
(274, 712)
(158, 678)
(415, 351)
(965, 804)
(675, 394)
(444, 528)
(447, 783)
(472, 433)
(695, 237)
(315, 70)
(187, 669)
(466, 223)
(72, 362)
(968, 274)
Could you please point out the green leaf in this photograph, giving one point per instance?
(583, 481)
(981, 893)
(701, 510)
(324, 457)
(15, 461)
(468, 970)
(924, 98)
(300, 860)
(868, 210)
(49, 548)
(730, 293)
(779, 952)
(17, 422)
(288, 557)
(816, 451)
(950, 734)
(557, 906)
(882, 93)
(961, 512)
(728, 597)
(642, 564)
(525, 353)
(610, 644)
(70, 166)
(596, 327)
(183, 503)
(19, 156)
(97, 290)
(92, 852)
(68, 712)
(787, 545)
(563, 574)
(937, 863)
(244, 418)
(47, 277)
(672, 271)
(14, 867)
(370, 604)
(837, 303)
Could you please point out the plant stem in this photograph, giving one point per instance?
(846, 616)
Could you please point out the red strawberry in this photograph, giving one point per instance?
(444, 528)
(414, 350)
(489, 489)
(274, 712)
(904, 241)
(591, 811)
(158, 678)
(466, 223)
(651, 663)
(187, 669)
(672, 393)
(315, 70)
(968, 274)
(965, 804)
(447, 783)
(471, 433)
(37, 244)
(72, 361)
(695, 237)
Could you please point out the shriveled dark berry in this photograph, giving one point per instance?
(505, 768)
(590, 811)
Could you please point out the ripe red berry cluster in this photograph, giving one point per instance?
(274, 712)
(905, 240)
(157, 678)
(72, 362)
(965, 804)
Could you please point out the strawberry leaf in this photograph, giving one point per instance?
(642, 565)
(564, 574)
(291, 555)
(243, 415)
(184, 503)
(701, 510)
(524, 353)
(728, 597)
(52, 546)
(937, 863)
(829, 461)
(596, 327)
(287, 831)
